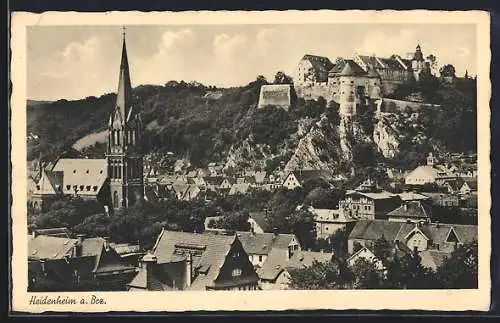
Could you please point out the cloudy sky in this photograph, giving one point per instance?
(78, 61)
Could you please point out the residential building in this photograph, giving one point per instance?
(468, 187)
(258, 222)
(412, 196)
(420, 236)
(411, 211)
(239, 188)
(369, 205)
(329, 221)
(259, 245)
(443, 199)
(275, 273)
(368, 255)
(298, 178)
(192, 261)
(85, 264)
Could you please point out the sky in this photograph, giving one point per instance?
(74, 62)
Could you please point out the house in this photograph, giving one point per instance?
(213, 183)
(420, 236)
(192, 261)
(329, 221)
(414, 211)
(275, 273)
(227, 183)
(258, 222)
(429, 174)
(312, 69)
(129, 253)
(48, 189)
(145, 279)
(367, 254)
(369, 205)
(298, 178)
(443, 199)
(468, 187)
(186, 192)
(241, 188)
(64, 264)
(453, 186)
(259, 245)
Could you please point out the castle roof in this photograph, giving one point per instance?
(347, 67)
(319, 62)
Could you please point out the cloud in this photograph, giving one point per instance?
(385, 44)
(85, 51)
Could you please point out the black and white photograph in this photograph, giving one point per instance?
(251, 157)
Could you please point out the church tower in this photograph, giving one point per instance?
(124, 153)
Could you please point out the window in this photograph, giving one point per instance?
(260, 258)
(88, 187)
(87, 171)
(74, 171)
(38, 187)
(236, 272)
(81, 187)
(94, 188)
(68, 187)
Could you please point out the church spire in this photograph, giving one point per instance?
(124, 93)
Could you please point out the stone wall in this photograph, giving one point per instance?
(313, 92)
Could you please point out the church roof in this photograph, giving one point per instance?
(87, 174)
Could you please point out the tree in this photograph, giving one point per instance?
(460, 270)
(320, 275)
(282, 78)
(332, 113)
(366, 276)
(433, 61)
(447, 70)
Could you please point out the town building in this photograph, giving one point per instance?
(57, 263)
(329, 221)
(411, 211)
(420, 235)
(193, 261)
(258, 222)
(369, 205)
(366, 254)
(429, 174)
(298, 178)
(443, 199)
(259, 245)
(275, 273)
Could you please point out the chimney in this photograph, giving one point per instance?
(405, 206)
(275, 231)
(33, 233)
(106, 243)
(189, 270)
(78, 245)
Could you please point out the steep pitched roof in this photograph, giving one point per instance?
(304, 258)
(319, 62)
(213, 249)
(54, 232)
(309, 174)
(262, 243)
(260, 218)
(411, 210)
(352, 69)
(375, 229)
(241, 188)
(50, 182)
(50, 248)
(88, 175)
(274, 264)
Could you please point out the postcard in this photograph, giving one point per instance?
(230, 160)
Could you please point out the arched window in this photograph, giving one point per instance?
(115, 199)
(115, 137)
(133, 137)
(118, 137)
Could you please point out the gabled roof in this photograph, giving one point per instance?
(262, 243)
(319, 62)
(412, 210)
(241, 188)
(50, 182)
(88, 175)
(302, 258)
(50, 248)
(309, 174)
(213, 248)
(382, 195)
(472, 183)
(352, 69)
(260, 218)
(54, 232)
(375, 229)
(412, 196)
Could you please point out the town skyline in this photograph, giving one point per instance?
(81, 61)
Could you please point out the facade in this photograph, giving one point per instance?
(124, 152)
(312, 69)
(298, 178)
(369, 205)
(367, 254)
(191, 261)
(413, 211)
(329, 221)
(259, 245)
(258, 222)
(430, 173)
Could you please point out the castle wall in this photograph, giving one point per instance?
(313, 91)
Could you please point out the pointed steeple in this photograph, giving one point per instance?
(124, 93)
(418, 54)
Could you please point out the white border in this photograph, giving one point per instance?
(452, 300)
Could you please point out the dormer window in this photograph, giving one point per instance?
(88, 187)
(87, 171)
(81, 187)
(94, 188)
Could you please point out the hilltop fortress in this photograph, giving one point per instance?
(349, 82)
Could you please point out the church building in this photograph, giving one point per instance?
(116, 181)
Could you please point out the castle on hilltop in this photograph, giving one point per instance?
(353, 82)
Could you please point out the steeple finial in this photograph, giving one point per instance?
(123, 31)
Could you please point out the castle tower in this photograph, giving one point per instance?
(124, 153)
